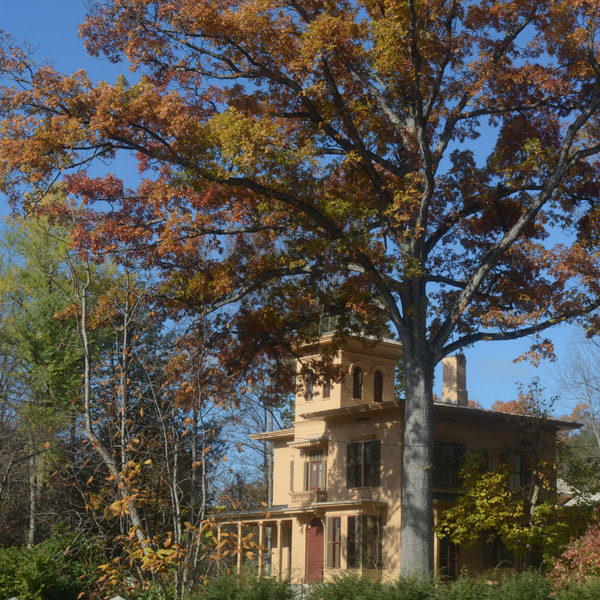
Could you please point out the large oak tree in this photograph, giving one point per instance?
(310, 157)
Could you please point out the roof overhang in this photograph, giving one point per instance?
(307, 443)
(280, 434)
(281, 512)
(441, 408)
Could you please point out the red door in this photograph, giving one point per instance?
(314, 551)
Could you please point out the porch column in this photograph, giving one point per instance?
(239, 547)
(261, 547)
(279, 549)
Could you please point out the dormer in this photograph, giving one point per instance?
(368, 369)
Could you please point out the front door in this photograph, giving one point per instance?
(314, 551)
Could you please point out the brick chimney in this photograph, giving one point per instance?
(455, 380)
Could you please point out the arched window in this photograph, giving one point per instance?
(357, 383)
(309, 386)
(378, 386)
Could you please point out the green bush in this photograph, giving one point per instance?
(526, 586)
(245, 587)
(530, 585)
(588, 590)
(465, 588)
(57, 569)
(351, 587)
(412, 589)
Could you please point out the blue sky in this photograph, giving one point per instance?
(52, 27)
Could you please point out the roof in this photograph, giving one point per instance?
(440, 408)
(309, 442)
(571, 496)
(372, 408)
(352, 342)
(283, 510)
(279, 434)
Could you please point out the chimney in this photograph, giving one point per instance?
(455, 380)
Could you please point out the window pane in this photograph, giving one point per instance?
(447, 462)
(372, 463)
(336, 538)
(309, 387)
(326, 388)
(317, 473)
(351, 549)
(351, 465)
(372, 542)
(378, 386)
(357, 381)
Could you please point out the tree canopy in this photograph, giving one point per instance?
(302, 158)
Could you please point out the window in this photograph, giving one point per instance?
(447, 462)
(363, 464)
(316, 475)
(449, 560)
(291, 475)
(315, 471)
(326, 388)
(372, 536)
(378, 386)
(309, 386)
(518, 474)
(352, 550)
(334, 542)
(496, 554)
(357, 383)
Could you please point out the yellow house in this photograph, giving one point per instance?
(337, 472)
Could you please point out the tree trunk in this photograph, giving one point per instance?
(33, 499)
(122, 486)
(416, 546)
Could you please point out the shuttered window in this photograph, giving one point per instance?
(363, 464)
(447, 462)
(315, 472)
(352, 545)
(378, 386)
(372, 542)
(357, 383)
(334, 542)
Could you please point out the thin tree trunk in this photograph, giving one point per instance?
(121, 484)
(416, 545)
(123, 387)
(203, 489)
(33, 497)
(6, 476)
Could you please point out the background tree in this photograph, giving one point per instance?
(44, 354)
(580, 385)
(306, 158)
(512, 497)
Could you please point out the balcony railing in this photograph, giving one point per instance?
(308, 497)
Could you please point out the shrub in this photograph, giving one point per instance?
(413, 589)
(351, 586)
(588, 590)
(57, 569)
(529, 585)
(245, 587)
(580, 560)
(465, 588)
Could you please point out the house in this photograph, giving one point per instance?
(337, 471)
